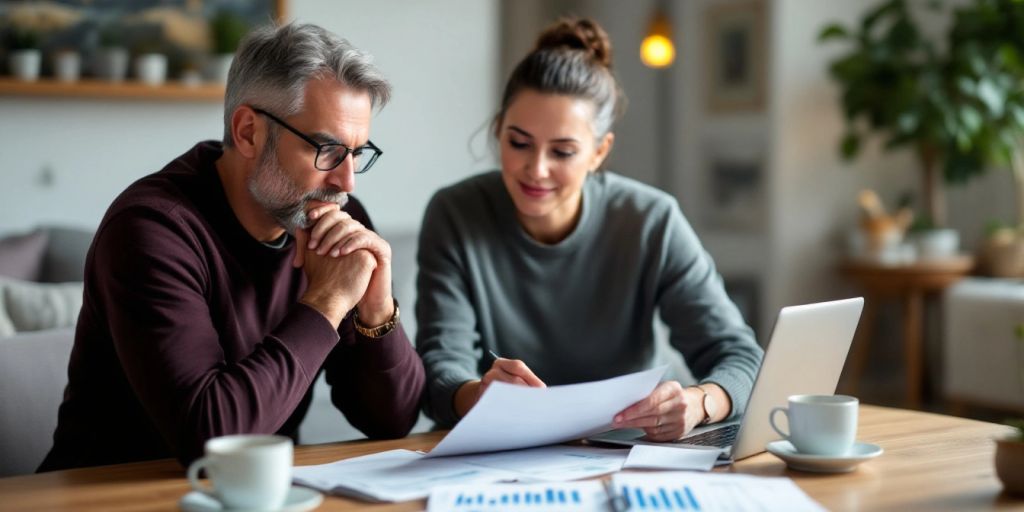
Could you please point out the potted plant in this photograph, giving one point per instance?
(226, 32)
(67, 65)
(1010, 449)
(150, 63)
(988, 42)
(25, 58)
(110, 61)
(896, 82)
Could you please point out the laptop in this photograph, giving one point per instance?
(805, 357)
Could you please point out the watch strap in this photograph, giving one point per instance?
(377, 331)
(704, 405)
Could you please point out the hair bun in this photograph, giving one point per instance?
(578, 34)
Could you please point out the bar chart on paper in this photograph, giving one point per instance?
(568, 497)
(672, 491)
(660, 497)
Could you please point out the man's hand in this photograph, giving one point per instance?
(512, 371)
(336, 234)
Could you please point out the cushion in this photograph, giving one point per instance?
(21, 256)
(66, 250)
(36, 306)
(6, 325)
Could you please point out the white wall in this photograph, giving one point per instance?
(440, 55)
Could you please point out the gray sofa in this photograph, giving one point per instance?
(33, 365)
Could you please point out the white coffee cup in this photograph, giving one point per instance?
(247, 471)
(820, 424)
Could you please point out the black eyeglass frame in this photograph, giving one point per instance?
(321, 148)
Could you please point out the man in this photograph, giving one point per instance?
(218, 288)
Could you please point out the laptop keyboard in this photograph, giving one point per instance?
(720, 437)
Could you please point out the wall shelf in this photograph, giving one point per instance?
(96, 89)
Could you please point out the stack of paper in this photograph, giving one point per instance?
(401, 475)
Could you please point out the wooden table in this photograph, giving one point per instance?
(931, 462)
(910, 283)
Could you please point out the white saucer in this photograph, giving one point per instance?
(300, 499)
(824, 463)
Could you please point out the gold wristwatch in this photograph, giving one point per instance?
(380, 330)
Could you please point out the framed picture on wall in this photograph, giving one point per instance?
(735, 183)
(735, 56)
(745, 292)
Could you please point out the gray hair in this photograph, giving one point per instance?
(274, 64)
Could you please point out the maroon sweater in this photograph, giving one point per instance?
(191, 329)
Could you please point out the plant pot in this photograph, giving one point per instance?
(887, 248)
(1010, 464)
(151, 68)
(217, 67)
(25, 64)
(111, 64)
(1004, 255)
(67, 66)
(937, 244)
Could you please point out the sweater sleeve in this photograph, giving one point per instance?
(706, 327)
(152, 289)
(376, 383)
(446, 338)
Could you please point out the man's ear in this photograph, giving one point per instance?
(246, 133)
(603, 148)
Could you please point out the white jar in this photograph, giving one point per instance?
(151, 68)
(25, 64)
(67, 66)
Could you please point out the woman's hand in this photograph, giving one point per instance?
(512, 371)
(668, 413)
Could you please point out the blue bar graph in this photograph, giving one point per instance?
(535, 497)
(660, 498)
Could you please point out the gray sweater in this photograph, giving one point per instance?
(579, 310)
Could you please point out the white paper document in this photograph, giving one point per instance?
(670, 457)
(589, 496)
(708, 492)
(509, 417)
(550, 463)
(401, 475)
(396, 475)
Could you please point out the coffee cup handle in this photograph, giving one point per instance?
(771, 419)
(193, 475)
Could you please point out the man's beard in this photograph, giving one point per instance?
(281, 197)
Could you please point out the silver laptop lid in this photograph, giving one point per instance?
(805, 356)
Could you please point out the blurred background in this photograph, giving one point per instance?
(766, 119)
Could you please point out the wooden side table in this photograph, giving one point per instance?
(909, 283)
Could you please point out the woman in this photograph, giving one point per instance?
(559, 268)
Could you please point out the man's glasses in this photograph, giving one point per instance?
(329, 156)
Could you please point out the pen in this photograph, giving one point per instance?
(616, 502)
(495, 356)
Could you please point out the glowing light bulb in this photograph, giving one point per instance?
(657, 51)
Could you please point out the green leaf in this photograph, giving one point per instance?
(833, 31)
(1017, 114)
(908, 122)
(991, 96)
(850, 146)
(971, 119)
